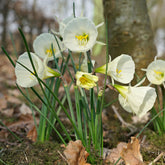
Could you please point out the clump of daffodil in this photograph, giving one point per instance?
(86, 80)
(155, 72)
(43, 44)
(80, 34)
(137, 100)
(25, 78)
(121, 69)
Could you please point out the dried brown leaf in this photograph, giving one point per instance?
(8, 112)
(24, 109)
(131, 154)
(25, 122)
(32, 134)
(14, 92)
(114, 154)
(3, 103)
(75, 153)
(13, 99)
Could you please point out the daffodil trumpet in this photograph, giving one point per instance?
(86, 80)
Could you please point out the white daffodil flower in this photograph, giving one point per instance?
(155, 72)
(86, 80)
(137, 100)
(42, 46)
(24, 77)
(80, 34)
(121, 69)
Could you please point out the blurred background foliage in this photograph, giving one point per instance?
(37, 16)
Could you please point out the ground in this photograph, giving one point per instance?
(12, 113)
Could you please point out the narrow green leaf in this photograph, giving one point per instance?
(8, 56)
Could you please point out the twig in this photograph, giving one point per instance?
(63, 157)
(128, 125)
(157, 158)
(26, 157)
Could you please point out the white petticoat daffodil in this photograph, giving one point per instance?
(137, 100)
(155, 72)
(25, 78)
(42, 46)
(80, 34)
(86, 80)
(121, 69)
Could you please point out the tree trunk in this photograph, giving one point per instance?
(129, 30)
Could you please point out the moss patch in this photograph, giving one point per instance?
(27, 153)
(158, 141)
(153, 146)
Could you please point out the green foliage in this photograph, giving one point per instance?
(159, 122)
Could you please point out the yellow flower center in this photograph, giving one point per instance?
(84, 80)
(118, 72)
(49, 52)
(82, 39)
(159, 75)
(31, 76)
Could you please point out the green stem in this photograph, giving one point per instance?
(64, 109)
(13, 43)
(8, 56)
(42, 123)
(3, 162)
(163, 93)
(92, 117)
(70, 107)
(79, 63)
(150, 122)
(98, 124)
(74, 10)
(107, 54)
(78, 110)
(56, 89)
(53, 101)
(74, 67)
